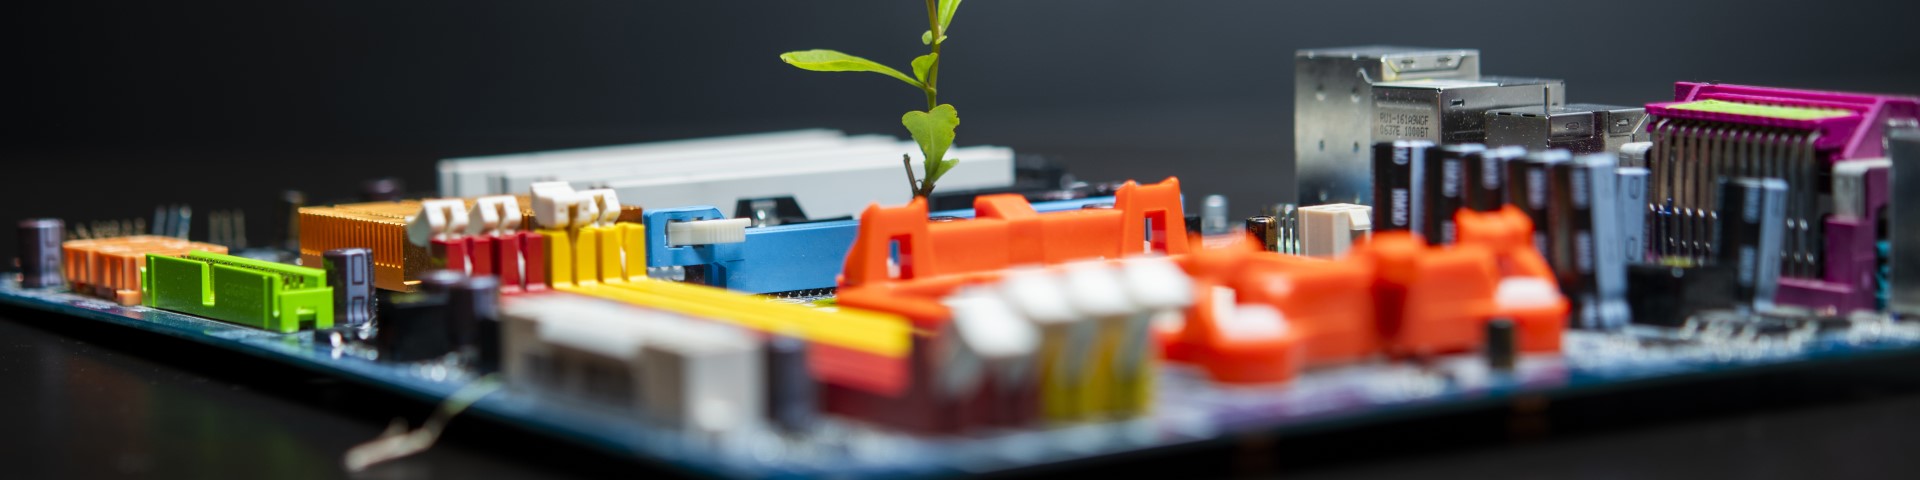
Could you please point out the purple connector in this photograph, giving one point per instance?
(1841, 279)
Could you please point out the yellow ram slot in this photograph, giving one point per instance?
(873, 332)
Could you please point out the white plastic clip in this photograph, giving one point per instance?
(708, 232)
(494, 215)
(438, 220)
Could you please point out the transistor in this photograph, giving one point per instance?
(1583, 212)
(1443, 192)
(350, 273)
(1396, 177)
(40, 260)
(1753, 216)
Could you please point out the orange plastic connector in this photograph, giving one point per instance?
(1508, 233)
(1007, 232)
(110, 267)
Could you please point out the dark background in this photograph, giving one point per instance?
(115, 107)
(121, 105)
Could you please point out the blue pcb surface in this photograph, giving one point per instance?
(1189, 409)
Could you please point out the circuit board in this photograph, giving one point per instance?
(1495, 243)
(1191, 409)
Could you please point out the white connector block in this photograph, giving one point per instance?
(437, 220)
(494, 215)
(1329, 231)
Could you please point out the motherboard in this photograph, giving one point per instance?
(1458, 239)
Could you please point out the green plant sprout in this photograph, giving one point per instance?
(933, 128)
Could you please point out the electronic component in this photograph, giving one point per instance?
(1635, 154)
(1330, 230)
(1260, 228)
(413, 327)
(350, 275)
(1486, 182)
(1527, 188)
(693, 376)
(1397, 167)
(770, 211)
(1443, 191)
(1752, 213)
(473, 320)
(1455, 111)
(827, 172)
(40, 257)
(1333, 117)
(1903, 222)
(111, 268)
(1633, 213)
(264, 295)
(1666, 295)
(793, 396)
(1501, 348)
(1711, 131)
(1213, 215)
(1583, 213)
(1578, 128)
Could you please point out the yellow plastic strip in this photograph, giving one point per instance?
(559, 258)
(1768, 111)
(868, 331)
(634, 238)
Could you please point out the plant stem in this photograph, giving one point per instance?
(933, 99)
(933, 72)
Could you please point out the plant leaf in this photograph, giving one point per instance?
(933, 129)
(922, 63)
(942, 168)
(926, 37)
(833, 61)
(947, 8)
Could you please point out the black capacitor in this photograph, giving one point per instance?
(1749, 235)
(1444, 192)
(1583, 201)
(1193, 224)
(1502, 345)
(792, 393)
(1487, 177)
(1261, 229)
(350, 274)
(1665, 296)
(439, 280)
(1396, 181)
(1527, 189)
(473, 319)
(413, 327)
(40, 252)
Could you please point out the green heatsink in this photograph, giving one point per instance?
(266, 295)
